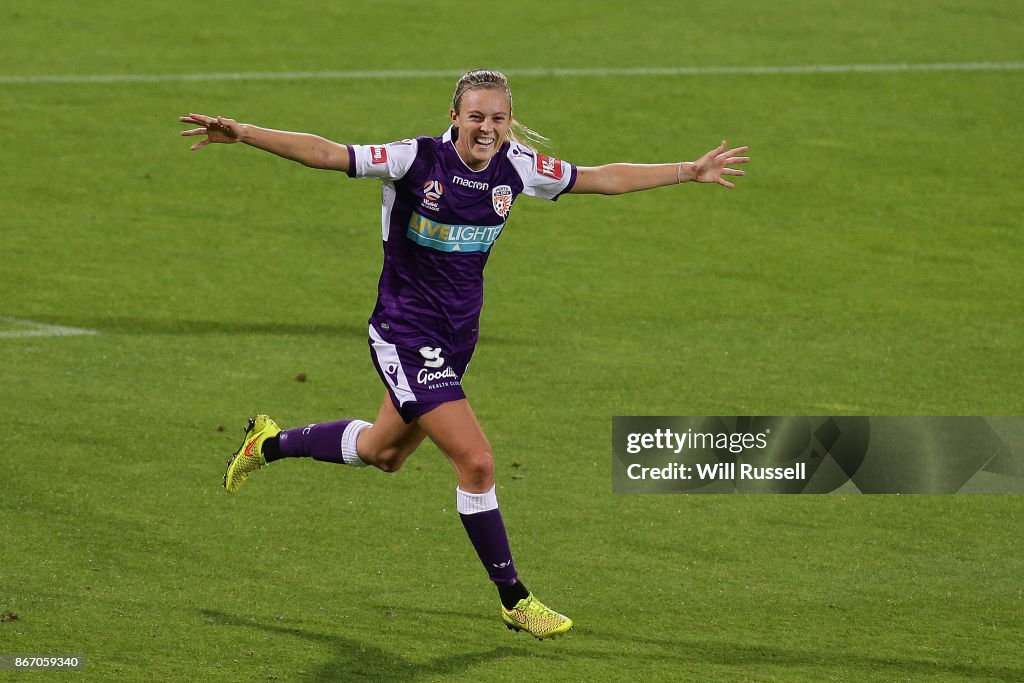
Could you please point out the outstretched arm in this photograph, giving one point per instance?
(305, 148)
(620, 178)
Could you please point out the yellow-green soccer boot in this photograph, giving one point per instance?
(249, 457)
(536, 618)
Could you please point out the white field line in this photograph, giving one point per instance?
(34, 329)
(521, 73)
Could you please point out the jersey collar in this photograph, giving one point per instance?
(452, 134)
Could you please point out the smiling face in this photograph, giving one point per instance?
(483, 118)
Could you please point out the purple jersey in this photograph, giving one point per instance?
(439, 219)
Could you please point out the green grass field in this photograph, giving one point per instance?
(869, 264)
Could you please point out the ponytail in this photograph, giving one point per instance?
(527, 137)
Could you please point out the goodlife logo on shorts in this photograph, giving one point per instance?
(432, 357)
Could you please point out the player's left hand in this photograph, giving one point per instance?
(712, 166)
(217, 129)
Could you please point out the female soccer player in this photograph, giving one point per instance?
(445, 201)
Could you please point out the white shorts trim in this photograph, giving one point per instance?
(391, 366)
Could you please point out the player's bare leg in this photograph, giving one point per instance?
(389, 441)
(385, 444)
(453, 427)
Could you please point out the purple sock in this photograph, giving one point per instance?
(318, 441)
(482, 520)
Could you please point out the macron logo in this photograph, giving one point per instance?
(471, 184)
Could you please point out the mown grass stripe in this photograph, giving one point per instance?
(31, 328)
(521, 73)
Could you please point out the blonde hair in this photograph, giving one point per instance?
(495, 80)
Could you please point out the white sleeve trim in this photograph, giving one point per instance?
(386, 162)
(543, 176)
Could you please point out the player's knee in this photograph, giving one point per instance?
(390, 459)
(385, 457)
(477, 468)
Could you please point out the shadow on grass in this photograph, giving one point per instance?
(359, 660)
(179, 326)
(175, 326)
(855, 665)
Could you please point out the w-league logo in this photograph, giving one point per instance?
(432, 191)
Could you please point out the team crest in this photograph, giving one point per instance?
(501, 199)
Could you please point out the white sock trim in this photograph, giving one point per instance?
(471, 503)
(349, 438)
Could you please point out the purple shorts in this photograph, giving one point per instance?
(418, 379)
